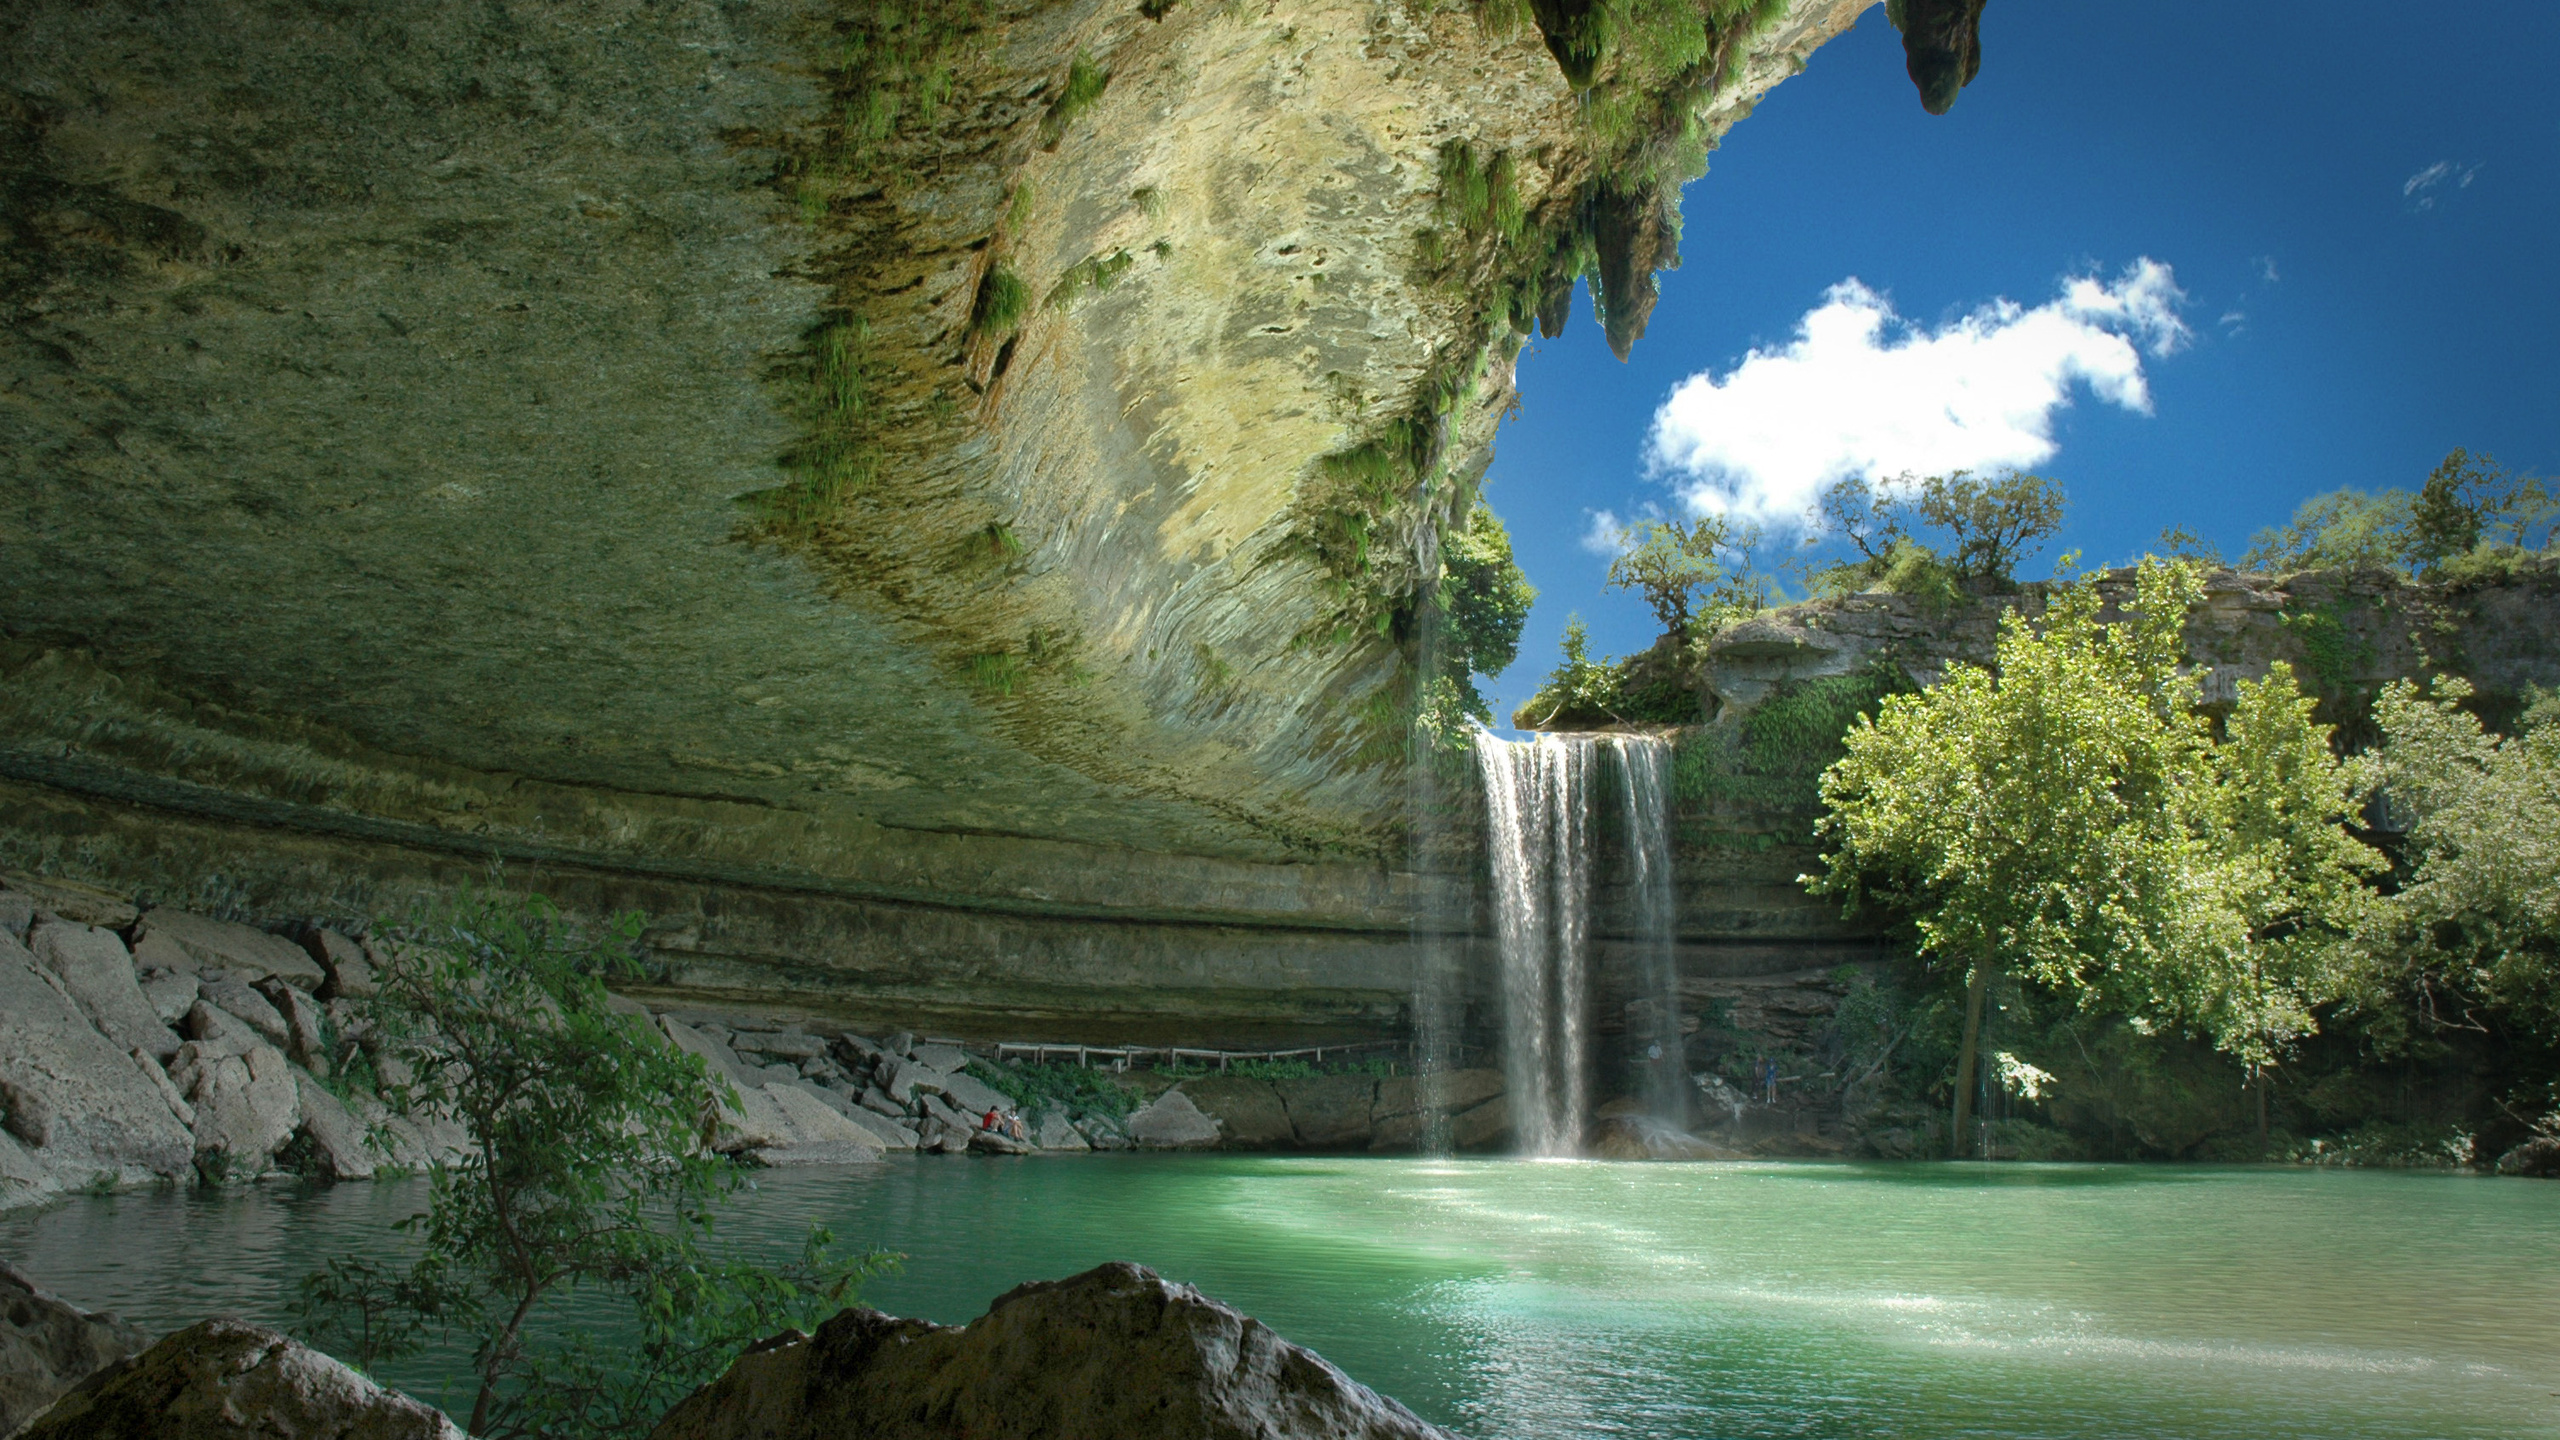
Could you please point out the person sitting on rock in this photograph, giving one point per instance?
(991, 1121)
(1014, 1127)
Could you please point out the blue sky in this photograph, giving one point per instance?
(2358, 208)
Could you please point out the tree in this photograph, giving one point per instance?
(1990, 525)
(1485, 601)
(2067, 816)
(1678, 566)
(2474, 929)
(585, 1171)
(1994, 522)
(2466, 505)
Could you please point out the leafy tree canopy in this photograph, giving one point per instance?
(1985, 527)
(2473, 933)
(1690, 572)
(2068, 815)
(2466, 505)
(585, 1173)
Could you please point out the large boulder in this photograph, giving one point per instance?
(222, 946)
(1330, 1112)
(817, 1127)
(247, 1105)
(71, 1096)
(97, 972)
(245, 1003)
(1171, 1122)
(332, 1142)
(1248, 1110)
(1115, 1352)
(47, 1346)
(229, 1380)
(344, 962)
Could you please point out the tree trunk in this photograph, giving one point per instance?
(1960, 1145)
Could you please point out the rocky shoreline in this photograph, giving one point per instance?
(146, 1046)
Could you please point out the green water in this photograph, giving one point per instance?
(1532, 1301)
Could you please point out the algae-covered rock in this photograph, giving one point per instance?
(1115, 1352)
(229, 1380)
(48, 1345)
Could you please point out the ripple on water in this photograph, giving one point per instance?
(1539, 1301)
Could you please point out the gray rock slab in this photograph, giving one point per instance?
(1115, 1352)
(906, 1077)
(1056, 1132)
(892, 1134)
(1172, 1122)
(814, 1122)
(48, 1345)
(213, 1029)
(826, 1154)
(1449, 1091)
(877, 1102)
(1248, 1111)
(347, 973)
(171, 993)
(306, 1028)
(243, 951)
(338, 1142)
(972, 1096)
(17, 913)
(996, 1142)
(242, 1002)
(793, 1045)
(97, 972)
(1484, 1127)
(229, 1380)
(246, 1107)
(1329, 1112)
(149, 1066)
(99, 1116)
(946, 1058)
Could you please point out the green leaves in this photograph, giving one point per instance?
(2070, 813)
(2475, 926)
(585, 1170)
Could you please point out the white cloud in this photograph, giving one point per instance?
(2267, 269)
(1607, 535)
(1861, 391)
(2420, 190)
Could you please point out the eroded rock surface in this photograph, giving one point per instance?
(228, 1380)
(1116, 1351)
(48, 1345)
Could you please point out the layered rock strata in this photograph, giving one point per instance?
(882, 490)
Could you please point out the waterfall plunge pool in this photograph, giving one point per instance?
(1542, 1300)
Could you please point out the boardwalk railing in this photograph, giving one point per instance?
(1121, 1057)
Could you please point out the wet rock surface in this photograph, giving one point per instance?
(1116, 1351)
(229, 1380)
(48, 1345)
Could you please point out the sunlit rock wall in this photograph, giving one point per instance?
(417, 419)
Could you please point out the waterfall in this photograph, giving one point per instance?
(1539, 798)
(1644, 770)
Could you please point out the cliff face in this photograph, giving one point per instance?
(932, 503)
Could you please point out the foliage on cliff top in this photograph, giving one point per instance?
(584, 1174)
(2071, 816)
(2465, 518)
(1987, 526)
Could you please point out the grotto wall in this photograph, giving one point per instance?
(926, 503)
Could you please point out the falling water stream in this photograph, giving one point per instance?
(1540, 801)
